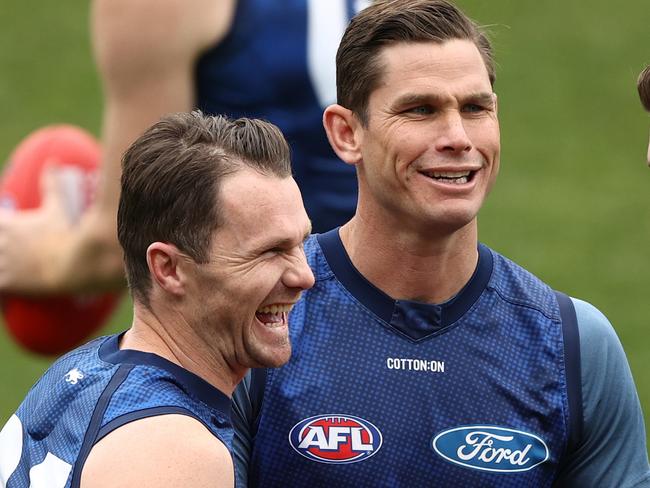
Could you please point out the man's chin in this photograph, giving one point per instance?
(275, 358)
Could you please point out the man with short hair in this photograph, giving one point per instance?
(643, 85)
(212, 227)
(422, 357)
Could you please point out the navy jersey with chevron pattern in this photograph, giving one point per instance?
(277, 63)
(383, 392)
(87, 394)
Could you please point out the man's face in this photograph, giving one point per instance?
(257, 270)
(430, 153)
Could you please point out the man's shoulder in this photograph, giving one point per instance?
(521, 285)
(518, 286)
(151, 385)
(601, 350)
(593, 325)
(54, 415)
(71, 377)
(151, 449)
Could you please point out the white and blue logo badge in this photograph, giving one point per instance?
(490, 448)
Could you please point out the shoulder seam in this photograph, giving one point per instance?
(519, 303)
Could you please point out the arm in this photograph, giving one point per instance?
(613, 450)
(158, 452)
(145, 52)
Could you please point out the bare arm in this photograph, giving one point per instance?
(145, 52)
(159, 452)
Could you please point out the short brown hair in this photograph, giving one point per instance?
(170, 176)
(388, 22)
(643, 85)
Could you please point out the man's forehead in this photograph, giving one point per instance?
(455, 58)
(248, 189)
(262, 207)
(244, 176)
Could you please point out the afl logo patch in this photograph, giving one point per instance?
(335, 439)
(490, 448)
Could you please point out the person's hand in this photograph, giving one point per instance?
(33, 241)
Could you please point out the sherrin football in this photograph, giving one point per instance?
(54, 324)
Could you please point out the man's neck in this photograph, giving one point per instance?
(177, 342)
(409, 265)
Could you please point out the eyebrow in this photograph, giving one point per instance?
(484, 98)
(283, 243)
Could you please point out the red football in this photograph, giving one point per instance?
(52, 325)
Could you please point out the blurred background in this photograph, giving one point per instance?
(573, 200)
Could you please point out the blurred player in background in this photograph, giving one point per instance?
(253, 58)
(422, 357)
(643, 85)
(212, 279)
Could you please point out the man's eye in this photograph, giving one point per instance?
(473, 108)
(421, 110)
(269, 253)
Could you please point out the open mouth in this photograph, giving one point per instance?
(451, 177)
(275, 315)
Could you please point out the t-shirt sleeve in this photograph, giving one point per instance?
(612, 451)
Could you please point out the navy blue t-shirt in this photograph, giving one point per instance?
(483, 390)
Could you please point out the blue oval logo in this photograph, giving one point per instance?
(490, 448)
(335, 439)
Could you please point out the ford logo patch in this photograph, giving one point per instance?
(491, 448)
(335, 439)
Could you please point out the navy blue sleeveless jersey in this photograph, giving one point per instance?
(278, 63)
(90, 392)
(379, 392)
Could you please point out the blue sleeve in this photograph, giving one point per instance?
(612, 451)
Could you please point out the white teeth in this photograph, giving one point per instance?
(459, 181)
(276, 308)
(450, 177)
(450, 174)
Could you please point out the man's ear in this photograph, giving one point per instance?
(163, 261)
(343, 130)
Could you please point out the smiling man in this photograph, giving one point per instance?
(212, 226)
(422, 357)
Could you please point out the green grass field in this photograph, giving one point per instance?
(573, 200)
